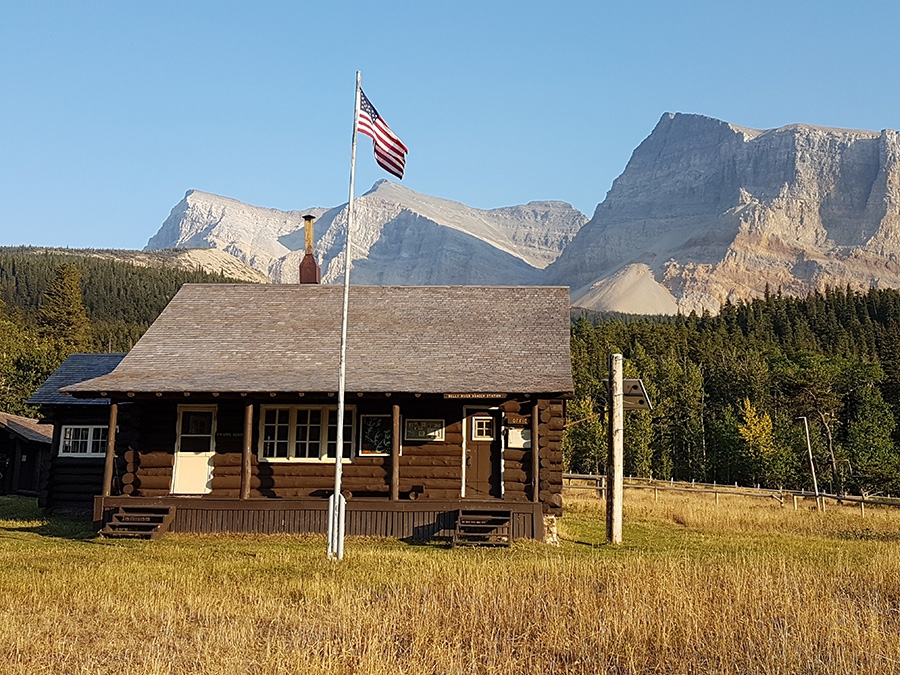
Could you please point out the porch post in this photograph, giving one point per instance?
(245, 455)
(110, 449)
(395, 453)
(535, 453)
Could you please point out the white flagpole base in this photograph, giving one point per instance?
(336, 527)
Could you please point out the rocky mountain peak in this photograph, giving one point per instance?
(715, 211)
(705, 211)
(401, 236)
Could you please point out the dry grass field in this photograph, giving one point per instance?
(743, 587)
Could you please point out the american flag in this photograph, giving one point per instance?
(390, 153)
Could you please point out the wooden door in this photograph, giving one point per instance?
(482, 455)
(29, 465)
(194, 450)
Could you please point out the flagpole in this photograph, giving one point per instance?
(337, 507)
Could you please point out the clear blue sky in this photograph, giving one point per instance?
(110, 111)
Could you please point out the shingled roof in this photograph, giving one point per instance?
(26, 428)
(76, 368)
(286, 338)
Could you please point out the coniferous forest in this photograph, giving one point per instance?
(55, 303)
(730, 391)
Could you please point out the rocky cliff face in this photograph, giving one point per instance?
(707, 211)
(400, 237)
(704, 212)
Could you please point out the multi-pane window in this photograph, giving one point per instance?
(308, 441)
(83, 441)
(276, 429)
(482, 428)
(196, 429)
(304, 432)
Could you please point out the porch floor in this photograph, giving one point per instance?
(402, 519)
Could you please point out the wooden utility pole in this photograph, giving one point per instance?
(615, 466)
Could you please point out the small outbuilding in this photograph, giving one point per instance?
(224, 414)
(24, 454)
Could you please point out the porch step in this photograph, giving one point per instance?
(482, 527)
(139, 522)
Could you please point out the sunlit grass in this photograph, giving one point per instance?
(747, 586)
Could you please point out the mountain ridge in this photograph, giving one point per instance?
(716, 211)
(505, 244)
(704, 212)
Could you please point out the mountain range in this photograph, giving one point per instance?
(705, 212)
(400, 237)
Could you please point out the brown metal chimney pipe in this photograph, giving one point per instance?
(310, 272)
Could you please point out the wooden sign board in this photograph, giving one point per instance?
(516, 420)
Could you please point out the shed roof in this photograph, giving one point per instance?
(77, 368)
(286, 338)
(27, 428)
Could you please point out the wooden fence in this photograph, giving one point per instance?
(597, 484)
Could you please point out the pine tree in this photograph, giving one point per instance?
(62, 317)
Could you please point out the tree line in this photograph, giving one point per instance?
(730, 391)
(727, 389)
(55, 303)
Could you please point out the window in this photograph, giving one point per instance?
(376, 434)
(196, 428)
(86, 441)
(303, 432)
(424, 430)
(482, 428)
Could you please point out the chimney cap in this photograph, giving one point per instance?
(309, 217)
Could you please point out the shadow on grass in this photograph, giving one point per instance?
(433, 543)
(21, 514)
(868, 535)
(579, 542)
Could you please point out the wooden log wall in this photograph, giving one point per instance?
(428, 470)
(517, 475)
(432, 470)
(550, 428)
(146, 454)
(71, 483)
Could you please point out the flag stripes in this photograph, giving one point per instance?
(390, 153)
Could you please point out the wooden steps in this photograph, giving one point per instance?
(139, 522)
(482, 527)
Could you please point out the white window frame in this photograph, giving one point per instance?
(323, 434)
(197, 408)
(359, 449)
(482, 437)
(95, 435)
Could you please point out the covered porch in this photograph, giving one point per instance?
(413, 520)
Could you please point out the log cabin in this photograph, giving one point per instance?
(24, 454)
(72, 473)
(454, 411)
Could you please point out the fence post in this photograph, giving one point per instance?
(862, 506)
(717, 498)
(795, 502)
